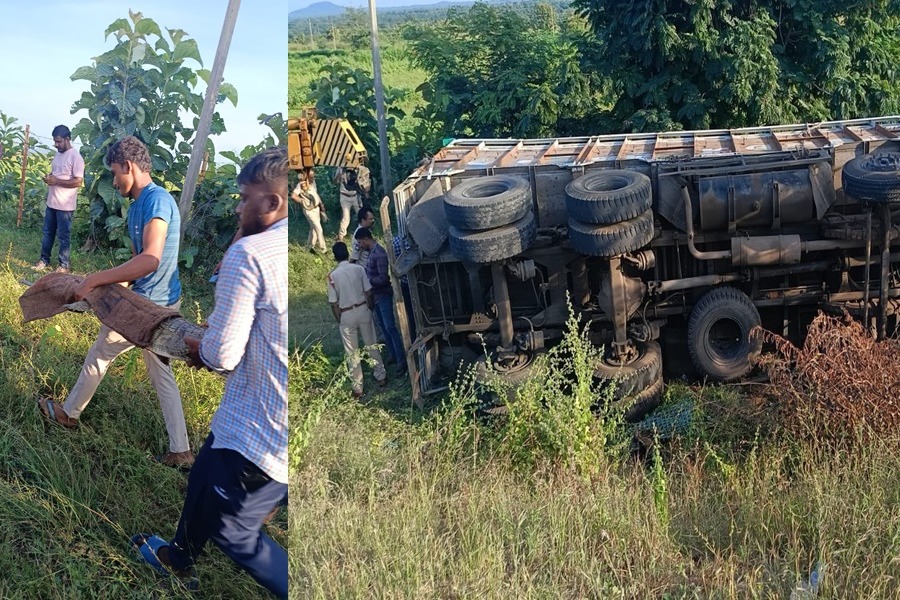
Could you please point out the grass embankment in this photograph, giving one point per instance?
(393, 503)
(70, 500)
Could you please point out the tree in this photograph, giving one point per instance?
(495, 72)
(699, 63)
(145, 87)
(12, 143)
(348, 93)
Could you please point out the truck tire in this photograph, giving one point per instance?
(611, 240)
(484, 203)
(632, 378)
(719, 334)
(873, 178)
(494, 244)
(645, 402)
(609, 196)
(512, 380)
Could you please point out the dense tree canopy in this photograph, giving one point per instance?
(707, 63)
(600, 66)
(497, 72)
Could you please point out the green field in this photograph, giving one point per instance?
(392, 502)
(397, 72)
(70, 500)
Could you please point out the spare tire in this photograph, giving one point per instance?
(608, 196)
(718, 336)
(484, 203)
(494, 244)
(873, 178)
(611, 240)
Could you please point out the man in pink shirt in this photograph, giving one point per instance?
(66, 175)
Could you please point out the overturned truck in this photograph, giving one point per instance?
(671, 246)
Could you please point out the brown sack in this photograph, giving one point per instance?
(117, 307)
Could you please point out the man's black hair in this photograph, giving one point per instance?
(62, 131)
(269, 167)
(340, 251)
(129, 148)
(364, 212)
(363, 233)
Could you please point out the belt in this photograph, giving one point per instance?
(343, 310)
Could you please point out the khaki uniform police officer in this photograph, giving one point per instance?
(349, 293)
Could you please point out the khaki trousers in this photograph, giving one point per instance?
(347, 203)
(354, 322)
(316, 237)
(107, 348)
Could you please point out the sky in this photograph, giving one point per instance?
(43, 42)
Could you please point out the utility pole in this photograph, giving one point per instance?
(206, 114)
(311, 45)
(386, 184)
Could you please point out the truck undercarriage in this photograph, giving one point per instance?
(670, 246)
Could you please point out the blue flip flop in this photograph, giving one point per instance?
(147, 546)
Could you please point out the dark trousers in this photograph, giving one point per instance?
(57, 223)
(384, 316)
(228, 498)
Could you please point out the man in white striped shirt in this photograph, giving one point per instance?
(240, 475)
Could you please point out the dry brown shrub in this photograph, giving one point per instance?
(841, 382)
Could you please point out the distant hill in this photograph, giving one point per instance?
(319, 9)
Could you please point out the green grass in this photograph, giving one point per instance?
(70, 500)
(391, 502)
(396, 71)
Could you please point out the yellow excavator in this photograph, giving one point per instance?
(314, 142)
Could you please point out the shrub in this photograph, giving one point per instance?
(841, 382)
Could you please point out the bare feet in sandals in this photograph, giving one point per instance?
(54, 413)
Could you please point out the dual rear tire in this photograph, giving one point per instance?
(490, 218)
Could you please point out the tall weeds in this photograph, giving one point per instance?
(544, 502)
(839, 383)
(561, 415)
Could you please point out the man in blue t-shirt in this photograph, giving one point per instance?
(154, 225)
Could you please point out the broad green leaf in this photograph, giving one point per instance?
(231, 156)
(147, 27)
(105, 189)
(120, 27)
(177, 35)
(88, 73)
(106, 70)
(82, 128)
(230, 92)
(187, 49)
(113, 222)
(204, 74)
